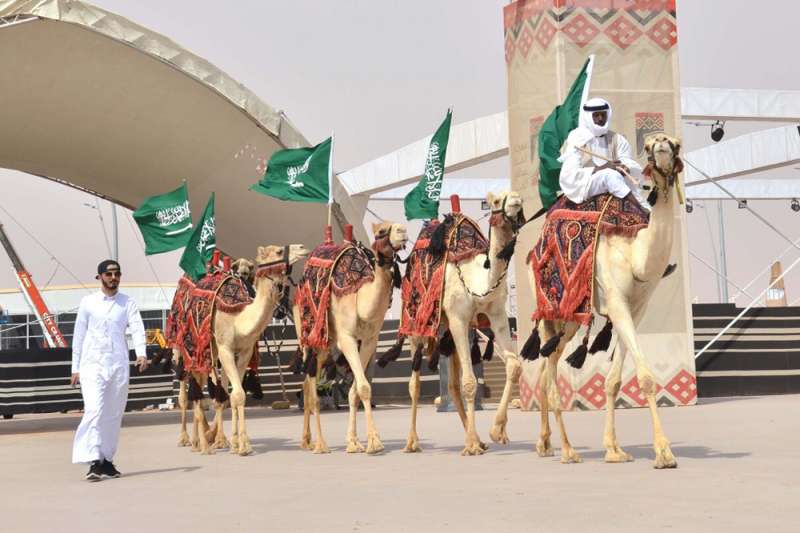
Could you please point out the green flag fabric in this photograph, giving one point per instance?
(201, 244)
(165, 221)
(555, 129)
(299, 174)
(423, 200)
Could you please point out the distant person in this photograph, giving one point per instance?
(584, 176)
(100, 364)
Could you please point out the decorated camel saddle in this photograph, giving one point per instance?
(563, 259)
(332, 268)
(458, 238)
(189, 326)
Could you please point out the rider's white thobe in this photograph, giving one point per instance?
(100, 355)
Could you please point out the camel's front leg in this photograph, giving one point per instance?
(219, 439)
(321, 446)
(200, 425)
(240, 442)
(183, 404)
(349, 347)
(614, 454)
(353, 444)
(469, 385)
(305, 439)
(620, 315)
(499, 323)
(412, 443)
(544, 447)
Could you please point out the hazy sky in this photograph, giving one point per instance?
(381, 74)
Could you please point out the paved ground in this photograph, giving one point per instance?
(738, 471)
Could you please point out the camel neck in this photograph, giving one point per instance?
(654, 243)
(499, 236)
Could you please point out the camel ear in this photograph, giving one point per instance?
(648, 145)
(490, 197)
(262, 251)
(376, 227)
(677, 144)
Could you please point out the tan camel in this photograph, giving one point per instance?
(355, 322)
(244, 269)
(234, 338)
(627, 271)
(469, 289)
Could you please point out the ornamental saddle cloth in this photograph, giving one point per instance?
(192, 315)
(423, 283)
(337, 269)
(563, 258)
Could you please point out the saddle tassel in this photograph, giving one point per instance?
(551, 345)
(603, 339)
(489, 352)
(578, 357)
(392, 353)
(530, 350)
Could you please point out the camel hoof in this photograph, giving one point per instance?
(543, 448)
(498, 434)
(412, 445)
(354, 446)
(665, 459)
(184, 441)
(221, 443)
(207, 451)
(474, 448)
(321, 447)
(305, 443)
(569, 456)
(374, 445)
(617, 456)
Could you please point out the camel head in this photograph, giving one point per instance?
(278, 259)
(664, 162)
(244, 269)
(389, 238)
(506, 209)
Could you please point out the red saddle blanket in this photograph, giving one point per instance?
(177, 312)
(563, 258)
(337, 269)
(423, 283)
(215, 291)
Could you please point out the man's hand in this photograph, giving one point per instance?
(141, 363)
(74, 379)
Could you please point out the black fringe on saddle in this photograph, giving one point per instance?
(475, 351)
(252, 384)
(578, 357)
(603, 339)
(180, 372)
(551, 345)
(672, 267)
(530, 350)
(310, 368)
(652, 198)
(397, 279)
(195, 392)
(446, 345)
(330, 369)
(392, 353)
(212, 389)
(221, 395)
(416, 361)
(489, 352)
(166, 368)
(508, 250)
(297, 362)
(433, 360)
(341, 360)
(437, 246)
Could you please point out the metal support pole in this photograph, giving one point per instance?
(115, 233)
(723, 263)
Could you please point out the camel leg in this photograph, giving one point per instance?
(543, 446)
(353, 444)
(349, 347)
(454, 388)
(568, 453)
(240, 442)
(469, 385)
(619, 314)
(219, 441)
(412, 444)
(499, 322)
(200, 423)
(183, 404)
(305, 439)
(320, 446)
(614, 454)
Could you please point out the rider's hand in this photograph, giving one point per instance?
(74, 379)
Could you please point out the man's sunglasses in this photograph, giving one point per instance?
(114, 274)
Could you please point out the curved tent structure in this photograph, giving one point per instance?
(98, 102)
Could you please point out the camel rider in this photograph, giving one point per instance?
(584, 176)
(100, 364)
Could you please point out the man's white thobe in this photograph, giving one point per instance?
(578, 180)
(100, 355)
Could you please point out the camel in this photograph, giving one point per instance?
(244, 269)
(471, 288)
(355, 321)
(627, 271)
(234, 338)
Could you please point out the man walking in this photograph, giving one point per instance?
(100, 364)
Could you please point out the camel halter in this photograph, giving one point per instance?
(280, 266)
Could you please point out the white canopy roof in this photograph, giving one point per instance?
(108, 106)
(701, 103)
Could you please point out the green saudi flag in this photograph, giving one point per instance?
(201, 244)
(554, 132)
(299, 174)
(165, 221)
(423, 200)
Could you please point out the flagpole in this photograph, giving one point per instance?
(330, 183)
(585, 92)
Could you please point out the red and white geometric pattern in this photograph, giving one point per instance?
(525, 41)
(623, 32)
(547, 30)
(664, 33)
(632, 391)
(594, 391)
(580, 30)
(683, 387)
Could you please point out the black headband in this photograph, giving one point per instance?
(601, 107)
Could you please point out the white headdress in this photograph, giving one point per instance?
(587, 129)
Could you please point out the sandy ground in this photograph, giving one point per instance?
(738, 471)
